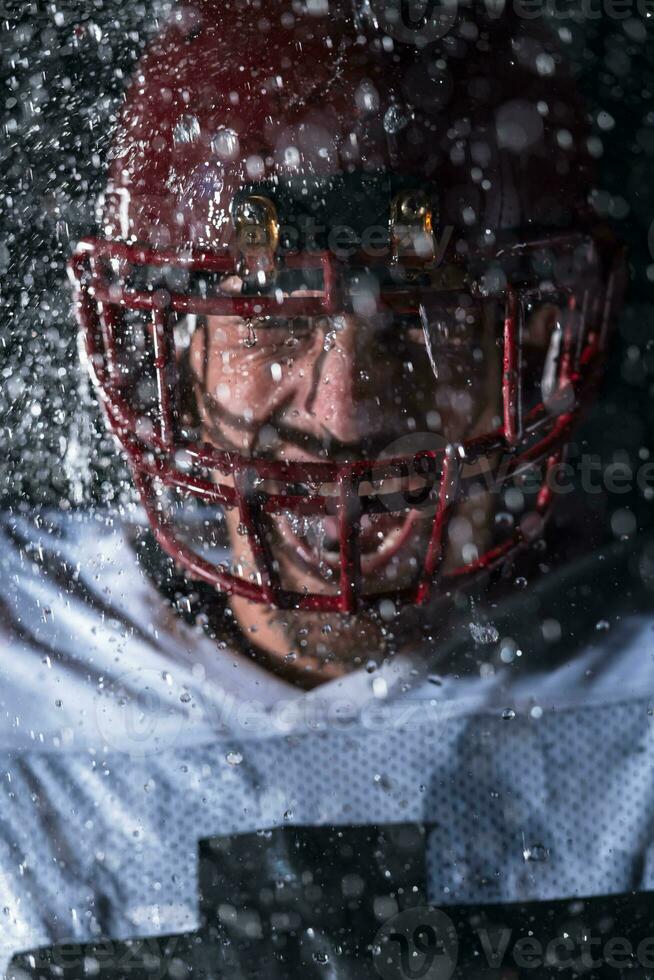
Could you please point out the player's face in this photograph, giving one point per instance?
(345, 388)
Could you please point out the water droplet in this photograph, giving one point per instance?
(395, 118)
(366, 97)
(225, 144)
(187, 129)
(536, 852)
(508, 714)
(602, 625)
(551, 630)
(387, 610)
(234, 758)
(251, 338)
(623, 522)
(321, 957)
(185, 697)
(483, 633)
(508, 650)
(379, 687)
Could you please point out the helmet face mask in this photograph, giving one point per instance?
(270, 391)
(372, 406)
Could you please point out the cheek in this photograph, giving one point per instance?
(458, 410)
(467, 397)
(252, 383)
(238, 381)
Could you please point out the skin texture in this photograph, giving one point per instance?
(347, 387)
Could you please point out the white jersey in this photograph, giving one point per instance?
(127, 735)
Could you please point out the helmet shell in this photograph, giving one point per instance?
(283, 95)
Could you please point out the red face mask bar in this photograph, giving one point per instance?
(528, 435)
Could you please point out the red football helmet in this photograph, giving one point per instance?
(285, 168)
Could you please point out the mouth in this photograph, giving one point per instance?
(315, 541)
(386, 539)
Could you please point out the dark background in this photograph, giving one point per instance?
(64, 66)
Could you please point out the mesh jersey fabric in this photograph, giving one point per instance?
(125, 737)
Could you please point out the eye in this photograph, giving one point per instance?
(283, 328)
(260, 333)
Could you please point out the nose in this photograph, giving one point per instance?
(343, 397)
